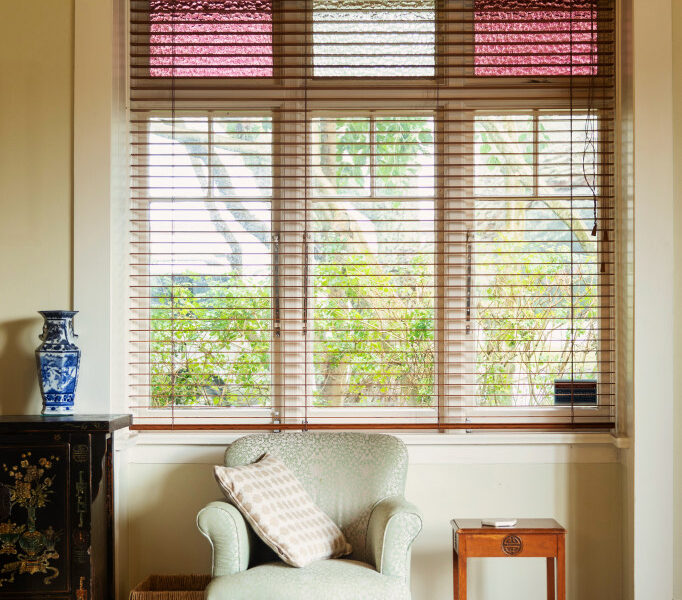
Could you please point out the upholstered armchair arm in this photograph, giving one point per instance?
(393, 526)
(229, 535)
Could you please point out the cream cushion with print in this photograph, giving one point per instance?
(281, 512)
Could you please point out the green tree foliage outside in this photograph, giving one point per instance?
(537, 300)
(211, 341)
(373, 310)
(373, 276)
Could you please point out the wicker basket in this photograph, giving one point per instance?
(171, 587)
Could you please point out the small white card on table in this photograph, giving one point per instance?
(498, 522)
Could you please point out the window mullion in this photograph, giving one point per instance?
(372, 155)
(536, 153)
(457, 186)
(276, 258)
(440, 322)
(289, 185)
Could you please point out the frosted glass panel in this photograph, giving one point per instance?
(202, 38)
(535, 37)
(380, 38)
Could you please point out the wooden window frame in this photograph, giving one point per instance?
(309, 95)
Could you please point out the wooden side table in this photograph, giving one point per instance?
(529, 538)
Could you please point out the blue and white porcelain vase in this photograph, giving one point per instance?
(58, 362)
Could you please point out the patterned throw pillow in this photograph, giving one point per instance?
(281, 512)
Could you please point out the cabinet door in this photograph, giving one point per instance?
(34, 527)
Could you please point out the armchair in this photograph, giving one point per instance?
(359, 481)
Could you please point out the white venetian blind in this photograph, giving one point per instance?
(372, 214)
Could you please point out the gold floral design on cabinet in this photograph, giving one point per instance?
(30, 550)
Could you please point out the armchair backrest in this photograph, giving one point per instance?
(345, 473)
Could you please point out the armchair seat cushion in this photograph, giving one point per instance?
(337, 579)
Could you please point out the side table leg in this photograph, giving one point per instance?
(462, 578)
(561, 569)
(459, 570)
(550, 578)
(455, 575)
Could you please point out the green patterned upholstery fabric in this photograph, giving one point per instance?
(358, 480)
(393, 526)
(230, 537)
(335, 579)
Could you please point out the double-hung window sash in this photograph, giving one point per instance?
(369, 214)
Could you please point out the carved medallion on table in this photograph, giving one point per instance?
(512, 545)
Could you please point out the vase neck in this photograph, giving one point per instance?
(58, 331)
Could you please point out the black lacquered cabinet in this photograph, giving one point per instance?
(56, 507)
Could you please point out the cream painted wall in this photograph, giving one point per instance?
(654, 302)
(625, 279)
(164, 498)
(36, 132)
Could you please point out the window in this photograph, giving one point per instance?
(389, 38)
(209, 38)
(202, 270)
(364, 214)
(538, 37)
(372, 261)
(536, 267)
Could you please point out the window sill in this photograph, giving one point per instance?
(482, 447)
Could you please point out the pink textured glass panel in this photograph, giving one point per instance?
(535, 37)
(210, 38)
